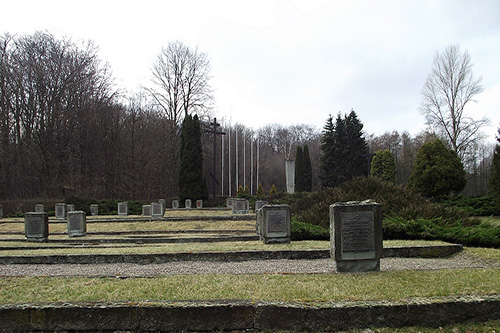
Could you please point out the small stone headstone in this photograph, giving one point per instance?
(39, 208)
(70, 208)
(240, 206)
(199, 204)
(356, 236)
(1, 211)
(77, 223)
(94, 209)
(157, 210)
(187, 203)
(60, 211)
(164, 204)
(36, 226)
(123, 208)
(229, 202)
(175, 204)
(259, 204)
(146, 210)
(274, 224)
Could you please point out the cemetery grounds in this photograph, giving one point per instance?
(470, 273)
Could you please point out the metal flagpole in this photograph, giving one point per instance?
(229, 166)
(251, 166)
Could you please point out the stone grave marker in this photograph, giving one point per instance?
(77, 223)
(94, 209)
(240, 206)
(60, 211)
(187, 203)
(199, 204)
(259, 204)
(123, 208)
(69, 208)
(164, 203)
(157, 210)
(1, 211)
(274, 224)
(36, 226)
(146, 210)
(356, 236)
(39, 208)
(229, 202)
(175, 204)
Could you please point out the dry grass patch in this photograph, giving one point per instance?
(392, 286)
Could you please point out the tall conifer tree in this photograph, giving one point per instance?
(192, 184)
(307, 169)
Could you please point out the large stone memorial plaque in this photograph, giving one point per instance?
(356, 236)
(274, 224)
(60, 211)
(77, 223)
(36, 226)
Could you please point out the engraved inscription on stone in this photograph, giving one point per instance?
(34, 226)
(75, 224)
(276, 221)
(357, 231)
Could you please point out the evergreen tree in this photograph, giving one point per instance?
(494, 180)
(383, 166)
(344, 150)
(299, 169)
(307, 169)
(327, 155)
(437, 170)
(356, 148)
(192, 183)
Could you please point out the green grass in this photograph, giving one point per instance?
(315, 288)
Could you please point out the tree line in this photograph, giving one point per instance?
(65, 130)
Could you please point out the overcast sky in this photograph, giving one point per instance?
(289, 62)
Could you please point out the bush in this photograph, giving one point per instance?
(483, 234)
(307, 231)
(475, 206)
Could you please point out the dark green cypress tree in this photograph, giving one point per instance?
(307, 169)
(383, 166)
(192, 184)
(299, 169)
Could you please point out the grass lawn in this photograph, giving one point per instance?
(311, 288)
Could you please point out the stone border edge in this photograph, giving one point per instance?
(242, 315)
(403, 252)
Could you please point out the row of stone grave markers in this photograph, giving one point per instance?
(36, 225)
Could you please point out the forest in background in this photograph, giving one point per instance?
(65, 130)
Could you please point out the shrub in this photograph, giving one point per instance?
(307, 231)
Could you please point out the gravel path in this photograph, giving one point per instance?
(461, 260)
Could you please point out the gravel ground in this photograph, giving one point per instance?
(461, 260)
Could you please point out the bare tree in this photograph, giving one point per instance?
(180, 77)
(449, 88)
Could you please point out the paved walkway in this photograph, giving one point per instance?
(460, 260)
